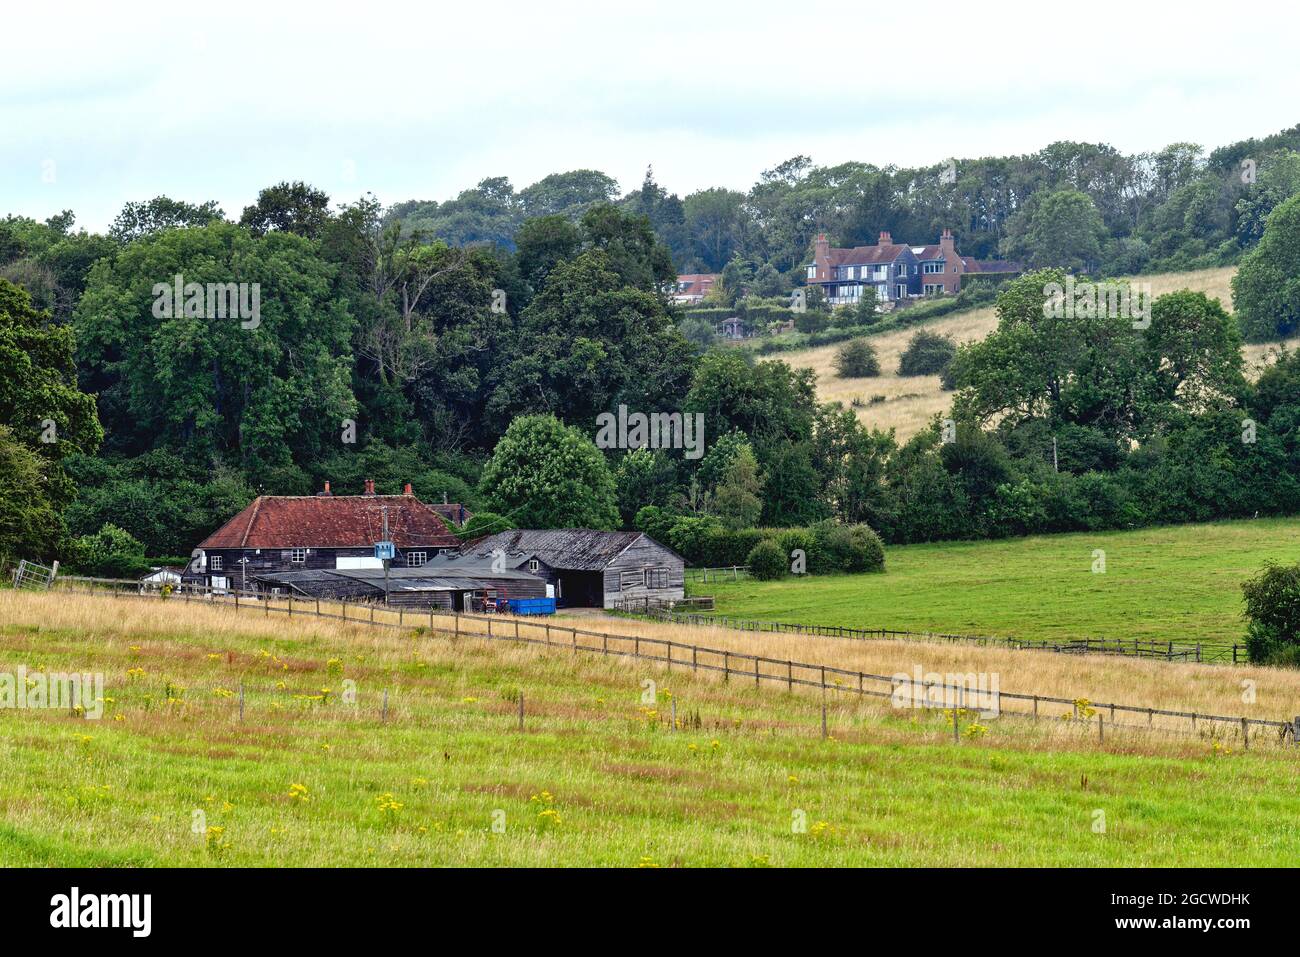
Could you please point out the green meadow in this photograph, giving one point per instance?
(321, 771)
(1178, 583)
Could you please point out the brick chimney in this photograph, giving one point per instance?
(885, 239)
(946, 241)
(326, 493)
(822, 256)
(406, 489)
(370, 487)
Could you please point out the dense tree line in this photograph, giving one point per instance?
(469, 346)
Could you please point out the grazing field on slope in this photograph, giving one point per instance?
(910, 402)
(1177, 583)
(595, 778)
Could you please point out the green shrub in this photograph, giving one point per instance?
(111, 552)
(766, 561)
(1273, 614)
(797, 539)
(856, 360)
(847, 548)
(927, 353)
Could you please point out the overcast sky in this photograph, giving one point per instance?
(99, 106)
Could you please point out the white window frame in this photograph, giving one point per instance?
(294, 556)
(214, 563)
(416, 559)
(533, 564)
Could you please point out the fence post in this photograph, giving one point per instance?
(1101, 734)
(789, 674)
(726, 667)
(1245, 735)
(695, 663)
(1295, 731)
(956, 727)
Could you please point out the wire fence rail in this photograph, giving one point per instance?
(665, 611)
(956, 697)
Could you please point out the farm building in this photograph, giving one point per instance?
(159, 578)
(465, 590)
(580, 566)
(323, 532)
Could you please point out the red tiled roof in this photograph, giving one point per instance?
(866, 255)
(332, 521)
(695, 283)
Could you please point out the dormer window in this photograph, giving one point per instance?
(533, 564)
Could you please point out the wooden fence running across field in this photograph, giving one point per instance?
(953, 697)
(658, 610)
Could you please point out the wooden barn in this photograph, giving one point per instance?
(582, 568)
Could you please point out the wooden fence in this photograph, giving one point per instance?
(732, 665)
(1159, 650)
(730, 573)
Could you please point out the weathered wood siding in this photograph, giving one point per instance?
(645, 570)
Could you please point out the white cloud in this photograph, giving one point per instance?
(424, 100)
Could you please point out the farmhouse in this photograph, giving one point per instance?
(897, 271)
(691, 288)
(323, 532)
(581, 567)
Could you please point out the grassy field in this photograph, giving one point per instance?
(1178, 583)
(597, 777)
(907, 404)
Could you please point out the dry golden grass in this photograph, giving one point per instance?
(1208, 689)
(154, 627)
(909, 403)
(427, 757)
(1211, 689)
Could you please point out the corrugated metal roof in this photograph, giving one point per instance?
(564, 549)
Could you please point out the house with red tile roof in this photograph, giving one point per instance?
(323, 531)
(898, 272)
(693, 287)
